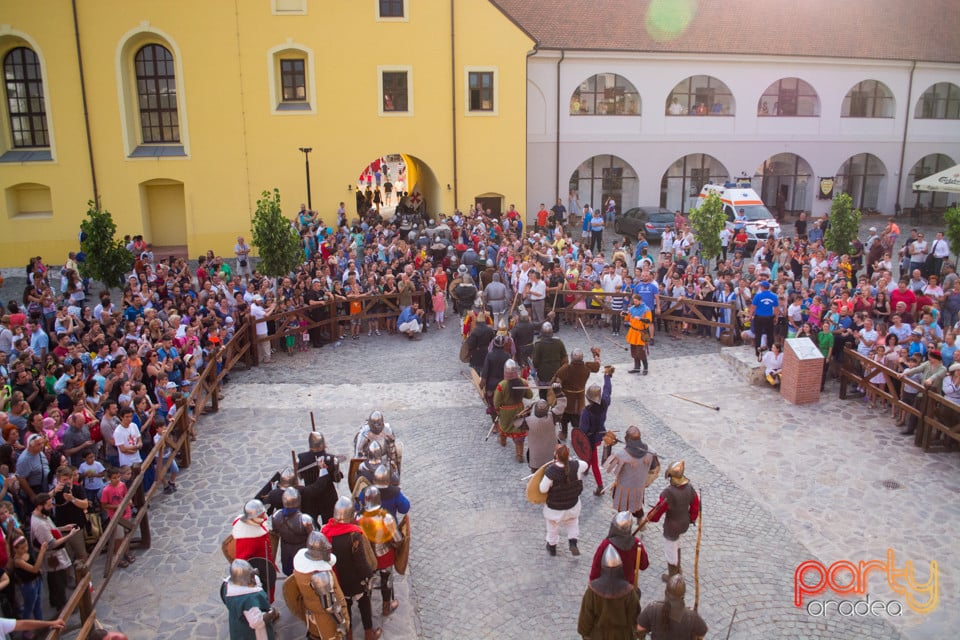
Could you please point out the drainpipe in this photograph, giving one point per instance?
(453, 102)
(563, 54)
(903, 142)
(83, 97)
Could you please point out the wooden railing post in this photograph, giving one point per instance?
(140, 502)
(182, 426)
(86, 602)
(212, 383)
(254, 348)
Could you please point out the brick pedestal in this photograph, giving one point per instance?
(802, 368)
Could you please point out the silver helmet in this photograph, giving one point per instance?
(253, 512)
(287, 478)
(541, 408)
(503, 325)
(462, 269)
(511, 368)
(489, 262)
(593, 393)
(374, 451)
(317, 442)
(576, 355)
(291, 498)
(499, 341)
(343, 511)
(611, 559)
(524, 315)
(371, 499)
(381, 476)
(306, 522)
(242, 574)
(546, 330)
(622, 521)
(375, 422)
(318, 547)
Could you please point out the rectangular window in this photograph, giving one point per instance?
(289, 7)
(395, 92)
(481, 90)
(392, 8)
(293, 80)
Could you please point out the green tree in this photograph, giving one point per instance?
(275, 237)
(951, 218)
(708, 221)
(844, 224)
(106, 258)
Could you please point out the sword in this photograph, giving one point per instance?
(585, 334)
(341, 457)
(615, 343)
(702, 404)
(492, 427)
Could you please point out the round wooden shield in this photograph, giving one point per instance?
(402, 553)
(229, 548)
(534, 495)
(291, 595)
(352, 471)
(581, 444)
(267, 572)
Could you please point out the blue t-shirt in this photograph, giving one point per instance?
(647, 292)
(764, 303)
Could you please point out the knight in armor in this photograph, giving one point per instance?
(523, 333)
(492, 371)
(392, 499)
(681, 505)
(593, 420)
(368, 468)
(486, 276)
(630, 549)
(508, 403)
(380, 528)
(503, 330)
(496, 296)
(631, 469)
(251, 533)
(292, 526)
(356, 562)
(248, 610)
(610, 604)
(549, 354)
(320, 473)
(274, 499)
(563, 483)
(463, 290)
(670, 618)
(572, 380)
(478, 342)
(541, 436)
(378, 430)
(316, 461)
(313, 593)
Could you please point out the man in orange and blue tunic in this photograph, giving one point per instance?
(639, 317)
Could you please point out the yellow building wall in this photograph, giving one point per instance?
(236, 144)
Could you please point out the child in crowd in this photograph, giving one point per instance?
(112, 495)
(92, 471)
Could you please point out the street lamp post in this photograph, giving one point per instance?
(306, 158)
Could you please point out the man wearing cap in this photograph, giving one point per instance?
(764, 309)
(33, 469)
(670, 617)
(680, 504)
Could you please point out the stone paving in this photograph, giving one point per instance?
(777, 490)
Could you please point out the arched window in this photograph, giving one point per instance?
(700, 95)
(927, 166)
(789, 97)
(783, 183)
(682, 181)
(157, 94)
(602, 177)
(862, 177)
(868, 99)
(25, 103)
(940, 102)
(605, 94)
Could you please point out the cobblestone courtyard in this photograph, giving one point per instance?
(780, 485)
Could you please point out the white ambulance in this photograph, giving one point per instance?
(743, 208)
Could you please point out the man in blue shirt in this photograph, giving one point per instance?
(763, 312)
(649, 292)
(410, 321)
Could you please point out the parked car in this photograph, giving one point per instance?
(651, 220)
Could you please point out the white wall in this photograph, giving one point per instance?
(652, 141)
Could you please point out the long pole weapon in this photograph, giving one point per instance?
(313, 423)
(615, 343)
(696, 557)
(702, 404)
(730, 627)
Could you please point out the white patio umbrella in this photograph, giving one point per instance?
(947, 180)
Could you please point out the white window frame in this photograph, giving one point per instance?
(302, 11)
(391, 68)
(496, 91)
(274, 77)
(379, 18)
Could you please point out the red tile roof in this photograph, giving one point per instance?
(922, 30)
